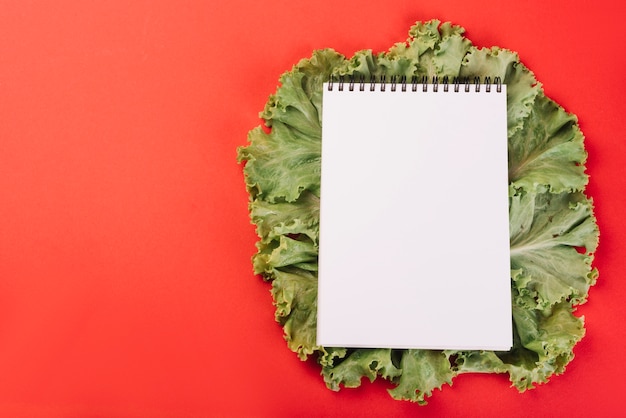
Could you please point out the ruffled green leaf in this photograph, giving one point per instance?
(422, 372)
(543, 344)
(274, 220)
(522, 87)
(363, 63)
(547, 232)
(293, 106)
(285, 178)
(424, 36)
(317, 70)
(360, 363)
(438, 52)
(295, 296)
(449, 57)
(548, 152)
(553, 232)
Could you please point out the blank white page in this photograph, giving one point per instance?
(414, 226)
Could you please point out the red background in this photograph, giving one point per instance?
(125, 280)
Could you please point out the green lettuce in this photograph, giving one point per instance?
(553, 232)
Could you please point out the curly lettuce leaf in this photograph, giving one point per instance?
(552, 236)
(542, 347)
(522, 87)
(553, 232)
(359, 363)
(274, 220)
(548, 151)
(295, 296)
(299, 155)
(422, 372)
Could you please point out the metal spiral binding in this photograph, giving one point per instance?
(415, 82)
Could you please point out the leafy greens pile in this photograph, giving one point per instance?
(553, 231)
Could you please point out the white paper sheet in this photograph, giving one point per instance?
(414, 236)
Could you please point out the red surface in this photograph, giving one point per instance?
(125, 283)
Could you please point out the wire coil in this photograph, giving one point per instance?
(380, 83)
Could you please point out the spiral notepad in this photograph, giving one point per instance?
(414, 239)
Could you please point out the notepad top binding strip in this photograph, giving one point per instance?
(414, 82)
